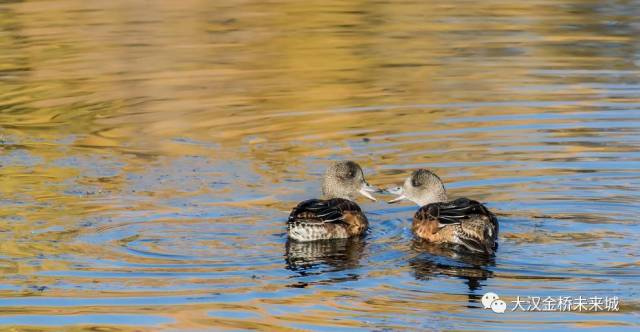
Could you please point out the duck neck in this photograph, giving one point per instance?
(330, 191)
(331, 195)
(431, 198)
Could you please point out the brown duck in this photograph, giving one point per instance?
(336, 215)
(462, 222)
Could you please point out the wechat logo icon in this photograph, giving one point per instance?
(492, 301)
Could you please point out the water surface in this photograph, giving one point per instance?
(150, 154)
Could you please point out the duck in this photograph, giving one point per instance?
(461, 222)
(335, 215)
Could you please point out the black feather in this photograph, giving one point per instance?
(453, 212)
(321, 211)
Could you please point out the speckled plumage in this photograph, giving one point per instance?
(335, 216)
(462, 222)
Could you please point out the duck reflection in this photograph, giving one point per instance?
(326, 256)
(434, 260)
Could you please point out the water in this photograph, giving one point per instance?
(151, 153)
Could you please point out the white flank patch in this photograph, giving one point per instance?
(308, 233)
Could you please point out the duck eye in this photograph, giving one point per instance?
(352, 172)
(415, 182)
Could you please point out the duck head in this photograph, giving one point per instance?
(421, 187)
(345, 179)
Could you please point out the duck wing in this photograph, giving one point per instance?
(454, 212)
(477, 226)
(322, 211)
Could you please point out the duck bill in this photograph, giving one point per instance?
(367, 189)
(399, 192)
